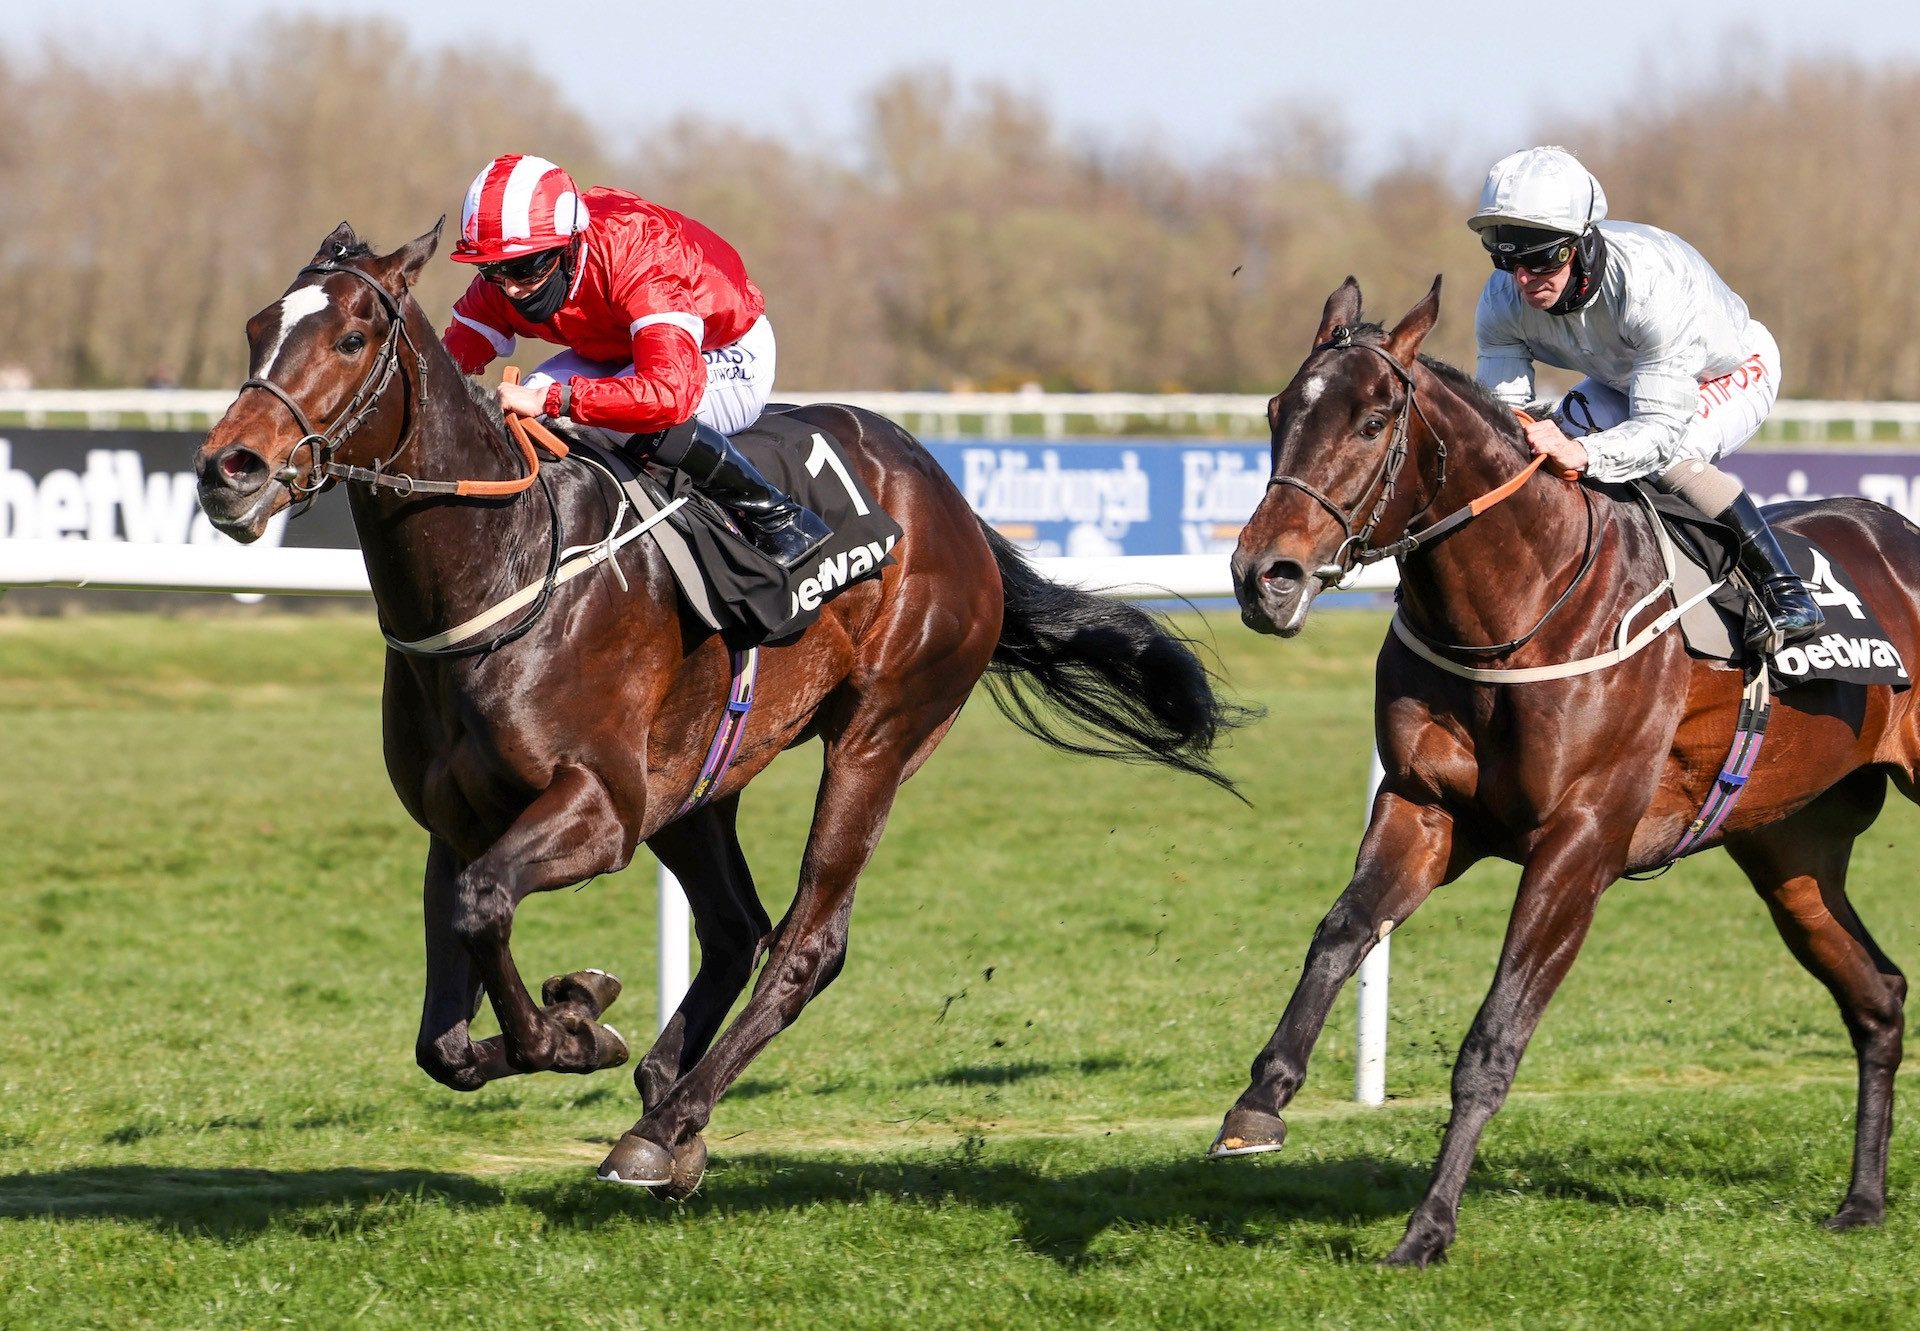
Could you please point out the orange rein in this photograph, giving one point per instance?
(526, 432)
(1506, 490)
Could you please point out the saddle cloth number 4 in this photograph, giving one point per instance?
(1825, 588)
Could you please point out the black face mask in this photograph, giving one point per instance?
(546, 300)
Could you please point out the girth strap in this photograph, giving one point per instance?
(1749, 732)
(732, 729)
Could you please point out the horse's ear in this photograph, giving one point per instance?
(1403, 343)
(402, 266)
(338, 242)
(1343, 311)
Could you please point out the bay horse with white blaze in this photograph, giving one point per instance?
(547, 758)
(1577, 779)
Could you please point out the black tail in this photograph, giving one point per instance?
(1132, 688)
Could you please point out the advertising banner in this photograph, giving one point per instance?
(1091, 497)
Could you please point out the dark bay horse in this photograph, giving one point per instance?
(1578, 780)
(547, 760)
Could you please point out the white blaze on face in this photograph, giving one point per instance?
(1311, 389)
(294, 306)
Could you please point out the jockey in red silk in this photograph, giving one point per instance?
(667, 337)
(1678, 374)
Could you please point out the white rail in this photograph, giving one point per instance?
(122, 566)
(953, 415)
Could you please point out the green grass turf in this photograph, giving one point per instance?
(1060, 969)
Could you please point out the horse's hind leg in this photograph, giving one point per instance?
(703, 852)
(1800, 867)
(863, 770)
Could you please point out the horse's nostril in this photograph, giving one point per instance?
(1283, 570)
(242, 469)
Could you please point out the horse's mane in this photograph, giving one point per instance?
(483, 398)
(1497, 414)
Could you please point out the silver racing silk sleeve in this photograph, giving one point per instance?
(1662, 322)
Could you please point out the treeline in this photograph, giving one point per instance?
(146, 210)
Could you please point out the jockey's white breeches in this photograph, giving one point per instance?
(1733, 406)
(739, 377)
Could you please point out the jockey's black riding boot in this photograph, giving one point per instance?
(1782, 595)
(773, 523)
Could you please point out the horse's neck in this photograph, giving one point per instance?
(436, 561)
(1492, 580)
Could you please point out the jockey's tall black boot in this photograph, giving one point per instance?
(1782, 595)
(772, 522)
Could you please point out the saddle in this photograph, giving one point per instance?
(1855, 649)
(728, 584)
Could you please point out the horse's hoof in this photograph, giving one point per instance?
(1424, 1245)
(1248, 1132)
(643, 1164)
(689, 1165)
(1854, 1215)
(593, 989)
(609, 1046)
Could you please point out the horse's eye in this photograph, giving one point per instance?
(1372, 426)
(349, 344)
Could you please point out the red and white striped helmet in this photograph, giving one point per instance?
(518, 205)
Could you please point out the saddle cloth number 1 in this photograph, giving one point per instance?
(824, 456)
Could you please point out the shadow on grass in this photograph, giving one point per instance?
(1005, 1074)
(234, 1202)
(1061, 1213)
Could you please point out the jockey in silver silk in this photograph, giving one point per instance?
(1678, 374)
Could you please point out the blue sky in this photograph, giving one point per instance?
(1406, 78)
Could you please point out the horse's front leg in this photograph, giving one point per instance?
(445, 1048)
(571, 832)
(1559, 889)
(1409, 850)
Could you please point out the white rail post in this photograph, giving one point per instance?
(676, 959)
(1370, 1053)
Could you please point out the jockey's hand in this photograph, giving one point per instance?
(521, 400)
(1568, 455)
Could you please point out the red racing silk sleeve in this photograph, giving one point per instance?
(654, 292)
(478, 331)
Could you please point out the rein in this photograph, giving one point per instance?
(1355, 550)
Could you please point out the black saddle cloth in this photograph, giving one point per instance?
(746, 595)
(1854, 648)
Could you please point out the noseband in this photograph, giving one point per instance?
(1355, 550)
(322, 445)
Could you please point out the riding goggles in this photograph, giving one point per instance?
(525, 271)
(1539, 260)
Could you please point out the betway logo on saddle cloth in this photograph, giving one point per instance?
(1855, 649)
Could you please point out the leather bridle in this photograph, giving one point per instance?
(322, 444)
(1354, 549)
(324, 471)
